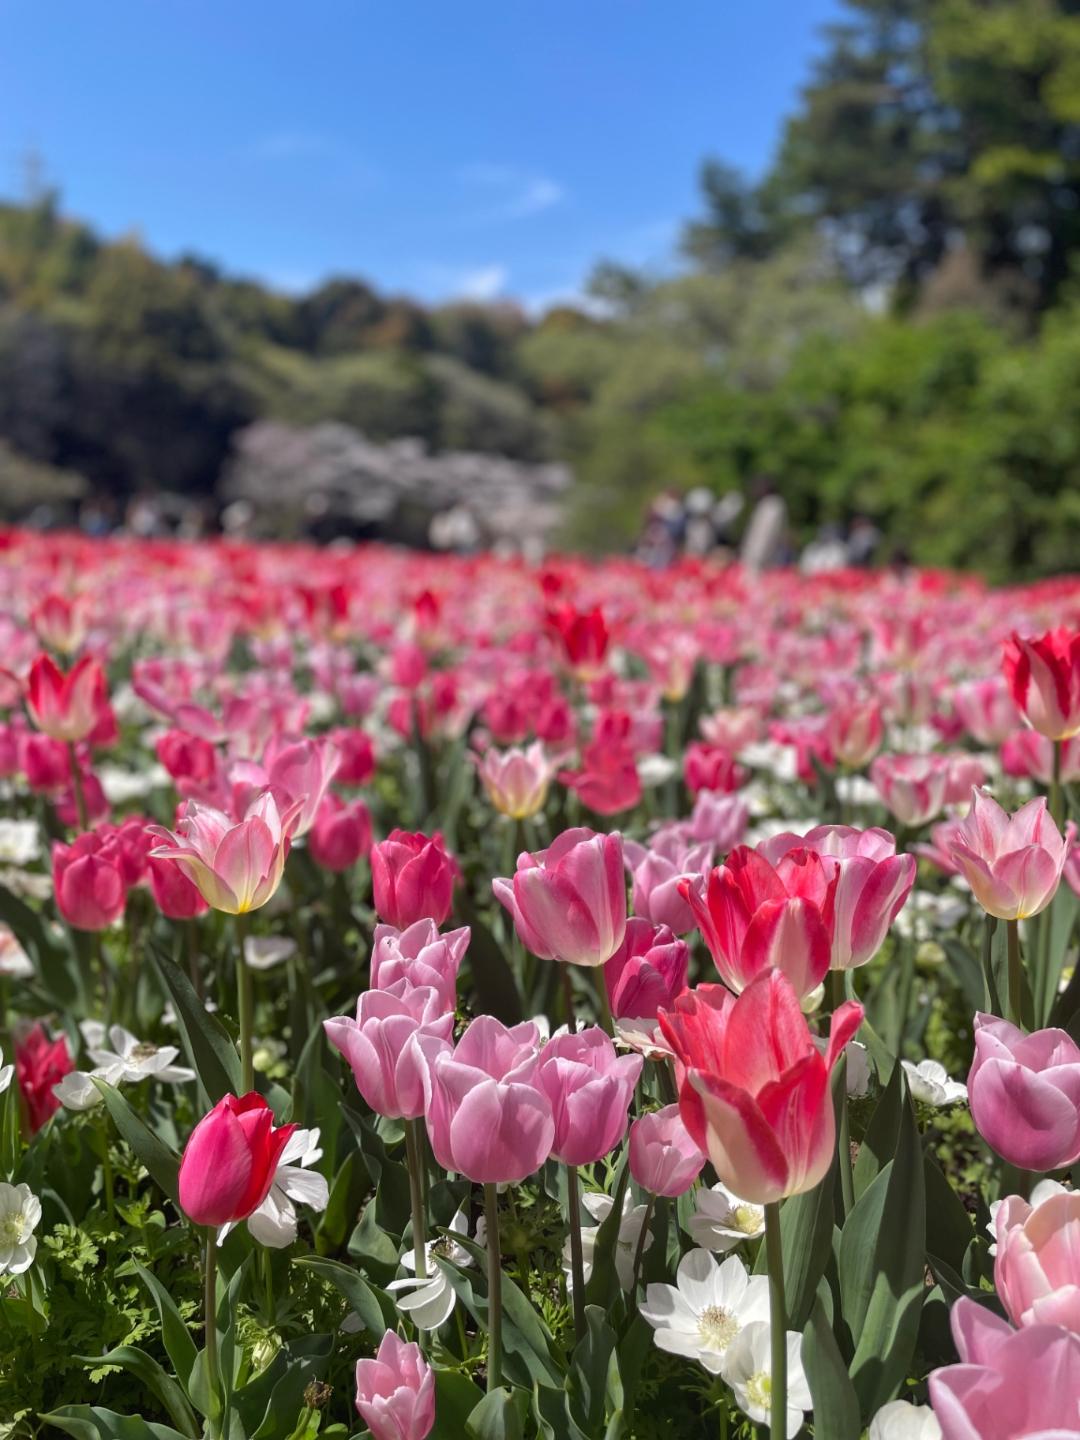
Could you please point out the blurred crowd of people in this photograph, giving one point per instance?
(754, 529)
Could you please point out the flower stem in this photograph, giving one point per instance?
(639, 1248)
(213, 1374)
(491, 1216)
(245, 1005)
(577, 1258)
(77, 787)
(1016, 974)
(605, 1001)
(777, 1323)
(1055, 806)
(843, 1144)
(416, 1197)
(568, 996)
(988, 961)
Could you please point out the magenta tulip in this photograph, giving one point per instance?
(1010, 1384)
(230, 1160)
(647, 971)
(341, 833)
(873, 884)
(1025, 1094)
(413, 879)
(569, 901)
(664, 1158)
(1013, 863)
(395, 1392)
(1037, 1266)
(590, 1089)
(487, 1117)
(88, 881)
(174, 894)
(384, 1045)
(421, 956)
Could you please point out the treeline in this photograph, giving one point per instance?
(884, 324)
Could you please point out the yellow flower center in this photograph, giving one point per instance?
(759, 1390)
(13, 1229)
(718, 1327)
(747, 1218)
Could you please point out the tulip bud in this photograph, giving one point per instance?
(569, 901)
(590, 1089)
(663, 1157)
(230, 1160)
(395, 1392)
(412, 878)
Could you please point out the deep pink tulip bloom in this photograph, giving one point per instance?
(1043, 675)
(590, 1088)
(913, 787)
(383, 1045)
(395, 1392)
(420, 955)
(711, 767)
(1037, 1266)
(67, 707)
(656, 870)
(40, 1065)
(873, 884)
(663, 1157)
(986, 709)
(189, 759)
(1013, 863)
(487, 1117)
(236, 865)
(413, 879)
(88, 881)
(1025, 1094)
(230, 1160)
(45, 762)
(174, 894)
(647, 972)
(1010, 1384)
(569, 901)
(341, 834)
(753, 1086)
(757, 916)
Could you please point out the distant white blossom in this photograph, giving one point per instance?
(20, 1214)
(633, 1218)
(721, 1220)
(929, 1083)
(900, 1420)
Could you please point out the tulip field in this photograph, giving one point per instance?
(455, 997)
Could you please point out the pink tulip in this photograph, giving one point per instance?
(1027, 753)
(67, 707)
(913, 787)
(297, 776)
(720, 820)
(235, 865)
(754, 1088)
(230, 1160)
(341, 833)
(395, 1392)
(647, 972)
(174, 894)
(590, 1089)
(939, 849)
(986, 709)
(189, 759)
(516, 781)
(664, 1160)
(1013, 863)
(421, 956)
(569, 901)
(356, 756)
(413, 879)
(88, 881)
(487, 1117)
(60, 623)
(40, 1065)
(657, 870)
(45, 763)
(755, 916)
(1043, 675)
(1010, 1384)
(873, 884)
(711, 767)
(854, 732)
(383, 1045)
(607, 781)
(1037, 1266)
(1025, 1094)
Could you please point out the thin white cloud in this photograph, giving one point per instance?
(289, 145)
(463, 282)
(515, 194)
(485, 283)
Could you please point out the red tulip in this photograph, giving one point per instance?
(711, 767)
(230, 1159)
(67, 707)
(754, 1088)
(40, 1064)
(583, 635)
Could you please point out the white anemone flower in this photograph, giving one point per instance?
(630, 1227)
(749, 1373)
(274, 1223)
(900, 1420)
(130, 1061)
(20, 842)
(929, 1083)
(431, 1302)
(15, 964)
(721, 1220)
(20, 1212)
(6, 1072)
(705, 1312)
(264, 952)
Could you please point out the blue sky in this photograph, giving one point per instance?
(487, 148)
